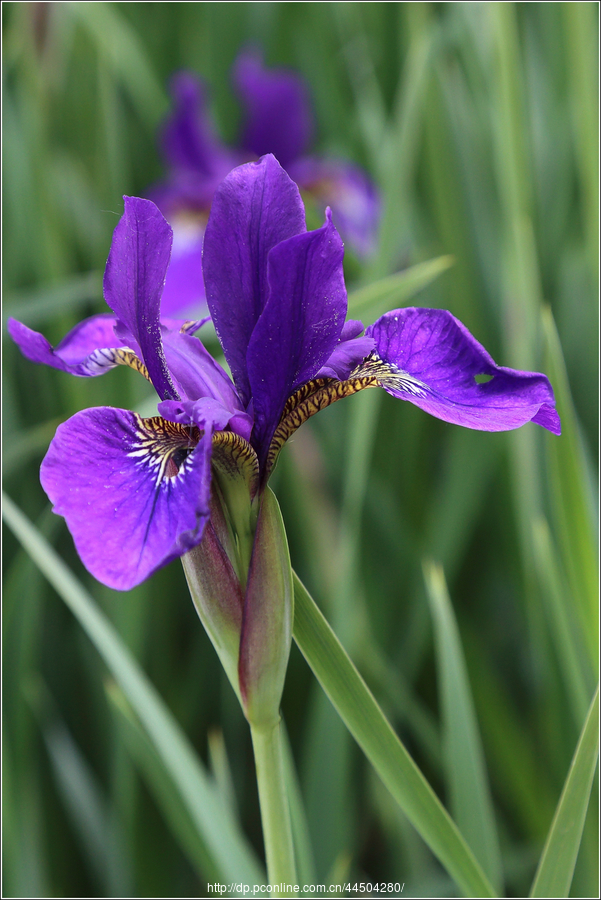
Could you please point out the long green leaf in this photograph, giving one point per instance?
(395, 290)
(120, 46)
(556, 866)
(469, 792)
(361, 714)
(566, 636)
(161, 785)
(83, 797)
(572, 497)
(232, 855)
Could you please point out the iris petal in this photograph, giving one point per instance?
(89, 349)
(133, 282)
(428, 357)
(300, 324)
(278, 111)
(352, 196)
(135, 492)
(188, 139)
(255, 208)
(195, 371)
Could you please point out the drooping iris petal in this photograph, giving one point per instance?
(349, 192)
(133, 282)
(300, 324)
(255, 208)
(135, 492)
(428, 357)
(278, 111)
(87, 350)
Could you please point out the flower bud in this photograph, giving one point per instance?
(268, 617)
(240, 580)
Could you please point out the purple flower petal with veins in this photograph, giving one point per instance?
(300, 325)
(256, 208)
(428, 357)
(135, 492)
(88, 350)
(133, 283)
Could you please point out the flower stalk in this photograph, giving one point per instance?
(275, 812)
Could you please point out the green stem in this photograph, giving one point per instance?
(275, 813)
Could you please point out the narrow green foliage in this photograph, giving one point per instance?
(564, 625)
(467, 781)
(362, 716)
(33, 308)
(374, 299)
(232, 857)
(556, 867)
(161, 785)
(572, 498)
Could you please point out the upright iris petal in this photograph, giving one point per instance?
(188, 139)
(277, 119)
(300, 324)
(256, 208)
(133, 283)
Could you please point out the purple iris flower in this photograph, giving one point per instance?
(136, 492)
(277, 119)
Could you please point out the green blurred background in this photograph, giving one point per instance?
(479, 124)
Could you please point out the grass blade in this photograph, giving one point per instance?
(572, 498)
(395, 290)
(567, 639)
(125, 55)
(161, 785)
(366, 722)
(232, 856)
(467, 780)
(556, 866)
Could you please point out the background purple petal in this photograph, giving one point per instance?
(188, 140)
(300, 325)
(184, 291)
(442, 360)
(349, 192)
(255, 208)
(124, 520)
(133, 282)
(278, 111)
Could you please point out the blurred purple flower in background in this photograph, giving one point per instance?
(277, 120)
(136, 492)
